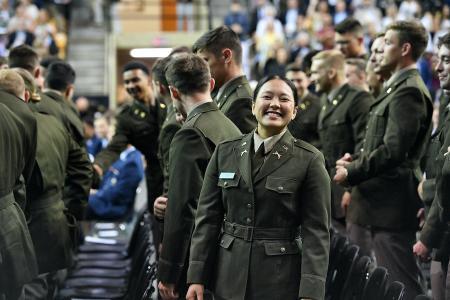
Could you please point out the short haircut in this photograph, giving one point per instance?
(159, 70)
(136, 65)
(214, 41)
(307, 60)
(11, 82)
(350, 25)
(188, 73)
(46, 62)
(23, 57)
(411, 32)
(59, 76)
(359, 63)
(30, 83)
(181, 49)
(444, 40)
(294, 68)
(273, 77)
(331, 58)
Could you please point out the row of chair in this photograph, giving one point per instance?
(115, 271)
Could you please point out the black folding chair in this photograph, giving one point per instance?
(375, 288)
(395, 291)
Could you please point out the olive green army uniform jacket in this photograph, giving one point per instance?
(235, 102)
(138, 125)
(342, 124)
(246, 227)
(18, 262)
(304, 126)
(190, 151)
(387, 172)
(58, 158)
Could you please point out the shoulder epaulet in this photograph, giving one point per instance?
(123, 108)
(238, 138)
(302, 144)
(244, 91)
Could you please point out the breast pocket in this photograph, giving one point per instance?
(281, 185)
(227, 183)
(338, 131)
(379, 123)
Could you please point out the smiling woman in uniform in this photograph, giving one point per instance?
(262, 223)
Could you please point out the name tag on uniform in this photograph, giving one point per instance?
(226, 175)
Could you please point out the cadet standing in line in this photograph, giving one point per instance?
(138, 124)
(45, 209)
(386, 174)
(221, 48)
(349, 38)
(18, 262)
(342, 121)
(376, 75)
(304, 126)
(435, 232)
(191, 149)
(263, 191)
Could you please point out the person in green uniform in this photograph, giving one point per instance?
(435, 232)
(221, 48)
(342, 121)
(190, 151)
(385, 175)
(349, 38)
(375, 76)
(304, 126)
(138, 124)
(18, 261)
(57, 156)
(262, 223)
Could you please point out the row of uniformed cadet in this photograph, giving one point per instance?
(56, 175)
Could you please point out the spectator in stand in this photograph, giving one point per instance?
(300, 46)
(390, 17)
(341, 12)
(257, 14)
(20, 29)
(44, 42)
(185, 10)
(101, 136)
(408, 10)
(237, 20)
(291, 17)
(368, 14)
(277, 64)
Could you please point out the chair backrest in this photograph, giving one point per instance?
(375, 288)
(338, 244)
(356, 281)
(422, 297)
(344, 268)
(395, 291)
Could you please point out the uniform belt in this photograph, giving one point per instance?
(7, 200)
(249, 233)
(44, 202)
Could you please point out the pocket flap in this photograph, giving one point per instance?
(281, 248)
(227, 183)
(281, 185)
(226, 241)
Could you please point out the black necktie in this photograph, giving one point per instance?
(258, 160)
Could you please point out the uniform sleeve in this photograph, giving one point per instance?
(78, 179)
(208, 222)
(406, 115)
(118, 143)
(240, 113)
(167, 136)
(315, 223)
(431, 232)
(189, 156)
(358, 115)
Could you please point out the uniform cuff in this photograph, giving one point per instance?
(169, 272)
(195, 272)
(312, 286)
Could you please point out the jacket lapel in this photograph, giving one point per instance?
(232, 86)
(328, 108)
(281, 153)
(243, 152)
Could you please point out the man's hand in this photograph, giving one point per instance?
(420, 250)
(195, 292)
(159, 207)
(345, 201)
(344, 160)
(167, 291)
(341, 175)
(98, 169)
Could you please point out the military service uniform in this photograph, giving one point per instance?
(138, 124)
(247, 222)
(235, 100)
(190, 151)
(386, 175)
(18, 262)
(304, 126)
(342, 124)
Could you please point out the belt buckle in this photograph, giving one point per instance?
(248, 234)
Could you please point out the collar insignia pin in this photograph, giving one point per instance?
(243, 152)
(277, 154)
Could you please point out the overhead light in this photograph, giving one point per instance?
(150, 52)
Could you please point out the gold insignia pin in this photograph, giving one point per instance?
(277, 154)
(243, 152)
(142, 114)
(324, 107)
(162, 105)
(136, 111)
(302, 106)
(244, 143)
(335, 102)
(285, 147)
(389, 90)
